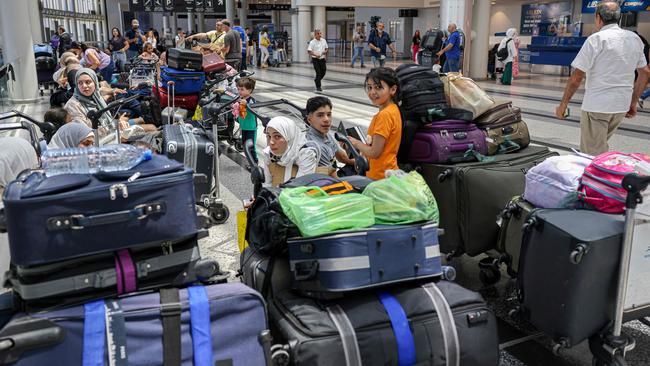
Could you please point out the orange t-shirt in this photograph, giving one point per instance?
(388, 124)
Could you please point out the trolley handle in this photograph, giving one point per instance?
(634, 184)
(257, 174)
(360, 163)
(47, 128)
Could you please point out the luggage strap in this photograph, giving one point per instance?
(170, 310)
(79, 221)
(334, 189)
(348, 335)
(449, 331)
(125, 273)
(94, 334)
(401, 329)
(200, 325)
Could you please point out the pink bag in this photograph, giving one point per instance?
(601, 187)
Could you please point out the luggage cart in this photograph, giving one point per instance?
(142, 71)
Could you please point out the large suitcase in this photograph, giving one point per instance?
(182, 59)
(513, 220)
(186, 82)
(196, 150)
(471, 195)
(505, 137)
(422, 92)
(372, 257)
(79, 280)
(568, 272)
(45, 63)
(442, 324)
(188, 102)
(213, 63)
(50, 219)
(221, 324)
(447, 142)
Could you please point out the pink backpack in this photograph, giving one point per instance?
(601, 187)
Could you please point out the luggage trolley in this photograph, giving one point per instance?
(142, 71)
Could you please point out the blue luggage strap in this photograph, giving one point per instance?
(200, 326)
(94, 333)
(401, 329)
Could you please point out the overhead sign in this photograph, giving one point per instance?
(545, 19)
(269, 7)
(178, 6)
(589, 6)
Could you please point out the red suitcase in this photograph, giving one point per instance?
(213, 63)
(188, 102)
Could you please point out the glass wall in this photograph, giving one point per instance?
(83, 19)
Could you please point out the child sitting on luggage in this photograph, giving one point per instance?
(385, 131)
(319, 117)
(246, 119)
(57, 116)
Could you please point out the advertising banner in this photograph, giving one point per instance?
(546, 19)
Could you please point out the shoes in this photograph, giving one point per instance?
(641, 103)
(319, 90)
(352, 66)
(363, 66)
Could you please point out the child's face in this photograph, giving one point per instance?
(244, 92)
(276, 141)
(380, 94)
(68, 118)
(321, 119)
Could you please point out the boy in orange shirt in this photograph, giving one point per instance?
(385, 131)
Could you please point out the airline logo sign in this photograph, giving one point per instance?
(589, 6)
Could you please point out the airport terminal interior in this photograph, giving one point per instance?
(145, 51)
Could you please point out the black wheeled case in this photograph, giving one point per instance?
(513, 220)
(182, 59)
(568, 272)
(470, 196)
(439, 324)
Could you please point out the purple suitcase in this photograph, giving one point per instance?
(447, 142)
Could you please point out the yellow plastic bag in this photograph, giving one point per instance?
(198, 114)
(241, 230)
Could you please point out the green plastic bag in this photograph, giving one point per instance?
(402, 200)
(317, 213)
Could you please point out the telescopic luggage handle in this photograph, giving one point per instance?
(634, 184)
(27, 334)
(257, 174)
(360, 163)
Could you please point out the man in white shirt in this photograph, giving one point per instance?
(317, 50)
(608, 59)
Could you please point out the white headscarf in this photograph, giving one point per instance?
(16, 155)
(510, 34)
(292, 134)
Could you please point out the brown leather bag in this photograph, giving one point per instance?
(502, 111)
(505, 137)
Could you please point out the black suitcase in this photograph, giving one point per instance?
(568, 272)
(195, 149)
(182, 59)
(471, 195)
(513, 220)
(367, 328)
(45, 63)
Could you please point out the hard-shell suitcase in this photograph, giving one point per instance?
(213, 63)
(186, 82)
(506, 137)
(512, 222)
(471, 195)
(194, 148)
(568, 272)
(50, 219)
(372, 257)
(182, 59)
(502, 112)
(188, 102)
(174, 115)
(129, 270)
(441, 324)
(447, 142)
(45, 63)
(222, 324)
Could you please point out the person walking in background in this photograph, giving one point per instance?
(358, 42)
(507, 45)
(265, 42)
(118, 46)
(231, 49)
(318, 50)
(377, 41)
(244, 46)
(136, 39)
(607, 59)
(415, 45)
(451, 50)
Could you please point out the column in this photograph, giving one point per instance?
(18, 50)
(319, 19)
(275, 19)
(408, 35)
(231, 10)
(294, 30)
(36, 23)
(200, 19)
(452, 11)
(174, 24)
(481, 39)
(304, 33)
(190, 21)
(243, 14)
(165, 30)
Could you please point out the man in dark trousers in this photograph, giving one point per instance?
(318, 50)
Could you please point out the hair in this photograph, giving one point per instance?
(119, 34)
(61, 28)
(246, 82)
(387, 75)
(147, 44)
(57, 116)
(225, 22)
(316, 103)
(609, 12)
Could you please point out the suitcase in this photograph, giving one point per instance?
(185, 82)
(174, 115)
(422, 91)
(357, 259)
(45, 63)
(501, 112)
(554, 183)
(441, 324)
(196, 150)
(188, 102)
(512, 222)
(447, 142)
(43, 50)
(471, 195)
(80, 280)
(50, 219)
(254, 268)
(506, 137)
(568, 272)
(221, 324)
(213, 63)
(182, 59)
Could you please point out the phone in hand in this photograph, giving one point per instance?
(566, 113)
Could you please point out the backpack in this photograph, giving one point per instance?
(422, 92)
(267, 227)
(503, 53)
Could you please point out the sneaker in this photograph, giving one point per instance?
(641, 103)
(319, 90)
(363, 66)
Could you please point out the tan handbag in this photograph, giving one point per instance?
(463, 93)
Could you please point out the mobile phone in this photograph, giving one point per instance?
(567, 112)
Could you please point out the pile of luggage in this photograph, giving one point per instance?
(352, 274)
(45, 65)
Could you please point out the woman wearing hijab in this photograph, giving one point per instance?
(72, 135)
(509, 44)
(286, 155)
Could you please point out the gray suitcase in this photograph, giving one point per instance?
(171, 114)
(512, 223)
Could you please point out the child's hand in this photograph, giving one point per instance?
(354, 142)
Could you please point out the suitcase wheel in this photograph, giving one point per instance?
(578, 253)
(280, 355)
(444, 175)
(490, 272)
(219, 215)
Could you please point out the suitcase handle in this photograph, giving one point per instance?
(461, 147)
(78, 222)
(27, 334)
(445, 174)
(305, 270)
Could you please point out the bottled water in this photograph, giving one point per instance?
(92, 160)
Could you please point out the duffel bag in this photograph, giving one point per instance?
(464, 93)
(185, 82)
(502, 111)
(554, 182)
(506, 137)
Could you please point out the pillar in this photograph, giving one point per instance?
(190, 21)
(18, 50)
(200, 19)
(165, 30)
(174, 24)
(452, 11)
(243, 14)
(231, 9)
(294, 30)
(319, 19)
(275, 19)
(480, 42)
(408, 35)
(35, 26)
(304, 32)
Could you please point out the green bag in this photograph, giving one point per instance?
(318, 213)
(402, 200)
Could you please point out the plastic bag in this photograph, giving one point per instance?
(316, 212)
(402, 200)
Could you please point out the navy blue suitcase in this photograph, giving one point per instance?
(357, 259)
(51, 219)
(185, 82)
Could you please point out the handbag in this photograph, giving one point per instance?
(464, 93)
